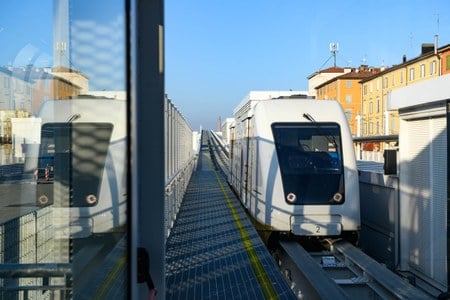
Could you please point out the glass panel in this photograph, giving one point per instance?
(63, 191)
(310, 159)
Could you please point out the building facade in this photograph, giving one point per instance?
(319, 77)
(444, 53)
(376, 119)
(380, 124)
(347, 91)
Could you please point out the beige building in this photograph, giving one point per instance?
(376, 119)
(380, 125)
(346, 90)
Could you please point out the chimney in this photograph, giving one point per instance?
(436, 39)
(404, 58)
(427, 48)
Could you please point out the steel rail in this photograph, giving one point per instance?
(343, 272)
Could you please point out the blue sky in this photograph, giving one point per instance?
(218, 51)
(25, 32)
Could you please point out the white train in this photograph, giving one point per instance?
(292, 164)
(80, 166)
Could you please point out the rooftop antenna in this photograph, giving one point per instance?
(410, 40)
(437, 22)
(364, 60)
(334, 48)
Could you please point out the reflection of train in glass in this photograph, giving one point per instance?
(293, 166)
(81, 163)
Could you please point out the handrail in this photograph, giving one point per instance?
(179, 172)
(221, 144)
(35, 270)
(175, 188)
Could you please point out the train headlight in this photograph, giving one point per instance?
(291, 197)
(338, 198)
(43, 200)
(91, 199)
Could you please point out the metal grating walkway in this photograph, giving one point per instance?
(213, 251)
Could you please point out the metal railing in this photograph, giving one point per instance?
(27, 259)
(36, 281)
(174, 192)
(180, 160)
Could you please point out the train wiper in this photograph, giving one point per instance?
(73, 118)
(331, 139)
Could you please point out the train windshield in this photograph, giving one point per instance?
(310, 159)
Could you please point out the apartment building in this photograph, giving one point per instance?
(376, 119)
(347, 91)
(379, 125)
(319, 77)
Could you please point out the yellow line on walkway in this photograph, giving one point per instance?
(111, 277)
(263, 278)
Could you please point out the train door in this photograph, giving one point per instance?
(232, 150)
(249, 165)
(242, 181)
(246, 195)
(241, 175)
(240, 156)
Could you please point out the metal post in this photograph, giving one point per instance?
(147, 140)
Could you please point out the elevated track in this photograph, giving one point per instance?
(338, 271)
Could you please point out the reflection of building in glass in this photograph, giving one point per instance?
(32, 86)
(24, 89)
(6, 125)
(15, 89)
(48, 86)
(75, 77)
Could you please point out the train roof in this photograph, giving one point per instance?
(255, 96)
(86, 109)
(292, 110)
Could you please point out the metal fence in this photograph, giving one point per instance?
(180, 160)
(28, 269)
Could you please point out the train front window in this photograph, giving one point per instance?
(310, 160)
